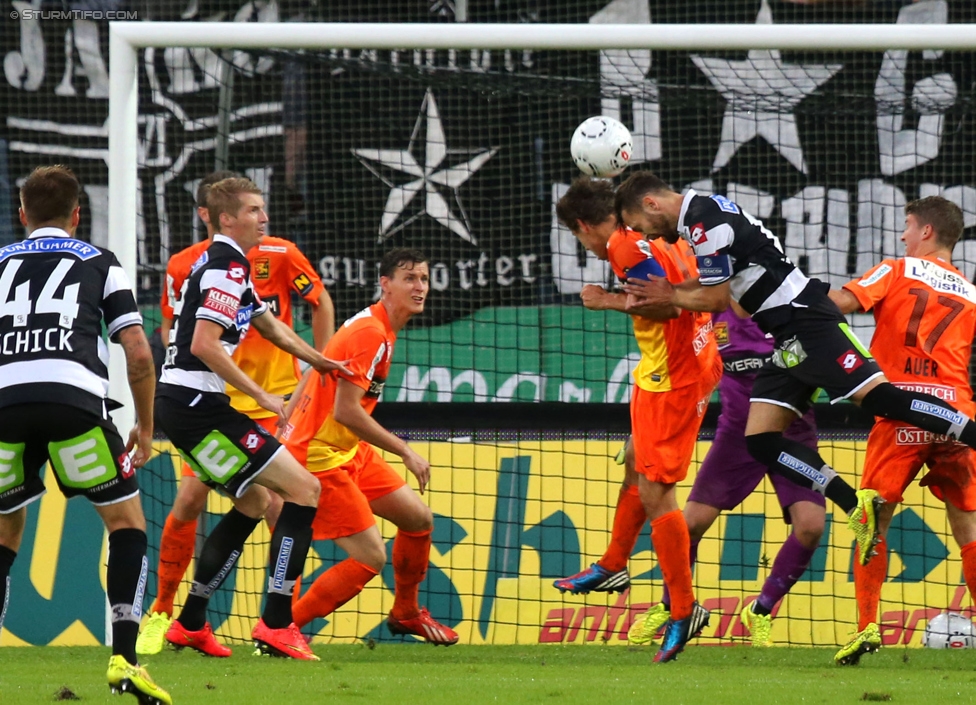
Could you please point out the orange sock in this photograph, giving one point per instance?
(868, 580)
(969, 567)
(669, 534)
(331, 590)
(411, 552)
(175, 552)
(628, 521)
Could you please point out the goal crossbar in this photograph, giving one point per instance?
(126, 37)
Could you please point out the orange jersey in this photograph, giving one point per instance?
(277, 268)
(925, 315)
(366, 340)
(677, 352)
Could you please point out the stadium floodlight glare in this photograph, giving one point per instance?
(126, 37)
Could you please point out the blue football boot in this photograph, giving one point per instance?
(680, 632)
(596, 578)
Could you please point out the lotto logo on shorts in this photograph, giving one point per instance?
(850, 361)
(252, 441)
(125, 462)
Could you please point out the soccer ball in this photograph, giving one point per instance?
(601, 146)
(949, 631)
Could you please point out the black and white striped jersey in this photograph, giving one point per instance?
(219, 289)
(732, 245)
(55, 292)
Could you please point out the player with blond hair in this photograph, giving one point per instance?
(278, 270)
(925, 316)
(223, 446)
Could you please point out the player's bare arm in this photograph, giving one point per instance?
(845, 300)
(596, 298)
(349, 412)
(207, 347)
(142, 383)
(689, 294)
(323, 320)
(165, 326)
(288, 340)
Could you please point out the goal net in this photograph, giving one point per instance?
(513, 390)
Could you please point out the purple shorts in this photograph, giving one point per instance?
(729, 474)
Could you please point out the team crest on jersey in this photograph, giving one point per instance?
(302, 283)
(721, 333)
(236, 273)
(262, 268)
(698, 235)
(252, 441)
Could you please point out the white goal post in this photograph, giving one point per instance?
(125, 38)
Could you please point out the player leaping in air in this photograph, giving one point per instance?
(925, 312)
(678, 369)
(741, 260)
(223, 446)
(332, 432)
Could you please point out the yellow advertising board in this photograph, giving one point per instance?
(510, 517)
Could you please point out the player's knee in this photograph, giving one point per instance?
(764, 447)
(809, 534)
(254, 502)
(372, 555)
(308, 493)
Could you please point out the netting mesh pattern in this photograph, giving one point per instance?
(463, 153)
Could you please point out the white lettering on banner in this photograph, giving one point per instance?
(471, 273)
(902, 149)
(808, 230)
(623, 74)
(573, 267)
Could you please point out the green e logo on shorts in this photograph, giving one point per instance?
(217, 457)
(83, 461)
(11, 465)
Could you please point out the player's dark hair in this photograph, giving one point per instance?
(943, 215)
(588, 200)
(49, 195)
(225, 197)
(396, 258)
(631, 192)
(209, 180)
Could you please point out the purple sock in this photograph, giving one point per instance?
(692, 557)
(792, 559)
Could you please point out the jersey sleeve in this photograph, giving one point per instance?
(874, 284)
(221, 293)
(170, 290)
(633, 257)
(118, 301)
(364, 351)
(711, 235)
(302, 277)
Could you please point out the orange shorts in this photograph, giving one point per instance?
(269, 424)
(665, 429)
(347, 491)
(896, 453)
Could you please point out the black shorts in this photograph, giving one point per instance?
(818, 350)
(223, 446)
(86, 453)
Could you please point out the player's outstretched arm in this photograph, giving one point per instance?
(689, 294)
(207, 347)
(845, 300)
(349, 412)
(142, 383)
(288, 340)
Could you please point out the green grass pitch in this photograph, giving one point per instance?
(503, 674)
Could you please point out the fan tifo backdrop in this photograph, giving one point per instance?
(463, 153)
